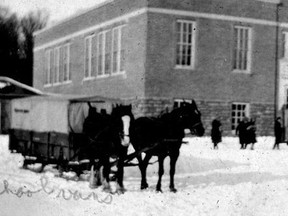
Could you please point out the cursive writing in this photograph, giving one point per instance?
(64, 193)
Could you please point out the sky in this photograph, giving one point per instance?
(57, 9)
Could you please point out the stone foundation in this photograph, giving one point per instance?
(264, 113)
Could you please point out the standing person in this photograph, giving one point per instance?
(278, 132)
(241, 131)
(216, 132)
(251, 133)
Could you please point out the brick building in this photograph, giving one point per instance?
(155, 53)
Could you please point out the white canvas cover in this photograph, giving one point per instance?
(77, 114)
(79, 111)
(52, 114)
(40, 114)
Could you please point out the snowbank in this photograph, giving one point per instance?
(227, 181)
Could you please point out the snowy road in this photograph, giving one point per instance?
(227, 181)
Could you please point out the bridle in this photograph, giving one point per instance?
(192, 128)
(123, 135)
(196, 124)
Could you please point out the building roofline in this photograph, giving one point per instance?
(84, 11)
(77, 14)
(92, 28)
(271, 1)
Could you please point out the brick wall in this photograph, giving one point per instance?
(130, 84)
(212, 78)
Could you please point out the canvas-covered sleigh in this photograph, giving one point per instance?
(49, 129)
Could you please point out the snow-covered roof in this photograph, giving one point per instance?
(12, 88)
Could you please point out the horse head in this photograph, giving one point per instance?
(122, 116)
(190, 118)
(92, 124)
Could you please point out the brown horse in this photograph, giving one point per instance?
(163, 136)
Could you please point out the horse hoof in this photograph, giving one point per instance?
(144, 186)
(174, 190)
(158, 190)
(107, 190)
(120, 191)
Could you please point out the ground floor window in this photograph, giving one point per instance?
(239, 111)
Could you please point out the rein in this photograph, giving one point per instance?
(196, 124)
(89, 144)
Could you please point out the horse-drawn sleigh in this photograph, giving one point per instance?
(66, 130)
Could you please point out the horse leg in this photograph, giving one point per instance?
(120, 173)
(160, 172)
(173, 160)
(106, 173)
(143, 167)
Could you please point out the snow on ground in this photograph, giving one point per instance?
(227, 181)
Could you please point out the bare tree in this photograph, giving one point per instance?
(34, 21)
(9, 46)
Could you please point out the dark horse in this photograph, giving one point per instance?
(108, 136)
(163, 136)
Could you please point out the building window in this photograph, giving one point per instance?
(185, 50)
(115, 50)
(66, 63)
(94, 57)
(122, 50)
(57, 65)
(239, 111)
(284, 47)
(111, 53)
(101, 51)
(51, 66)
(242, 49)
(179, 102)
(107, 48)
(88, 57)
(118, 53)
(47, 67)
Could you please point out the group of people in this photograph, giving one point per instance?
(246, 130)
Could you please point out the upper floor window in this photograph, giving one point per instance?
(107, 52)
(57, 65)
(66, 63)
(239, 111)
(88, 57)
(47, 68)
(185, 50)
(284, 45)
(242, 49)
(51, 66)
(100, 54)
(118, 53)
(110, 52)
